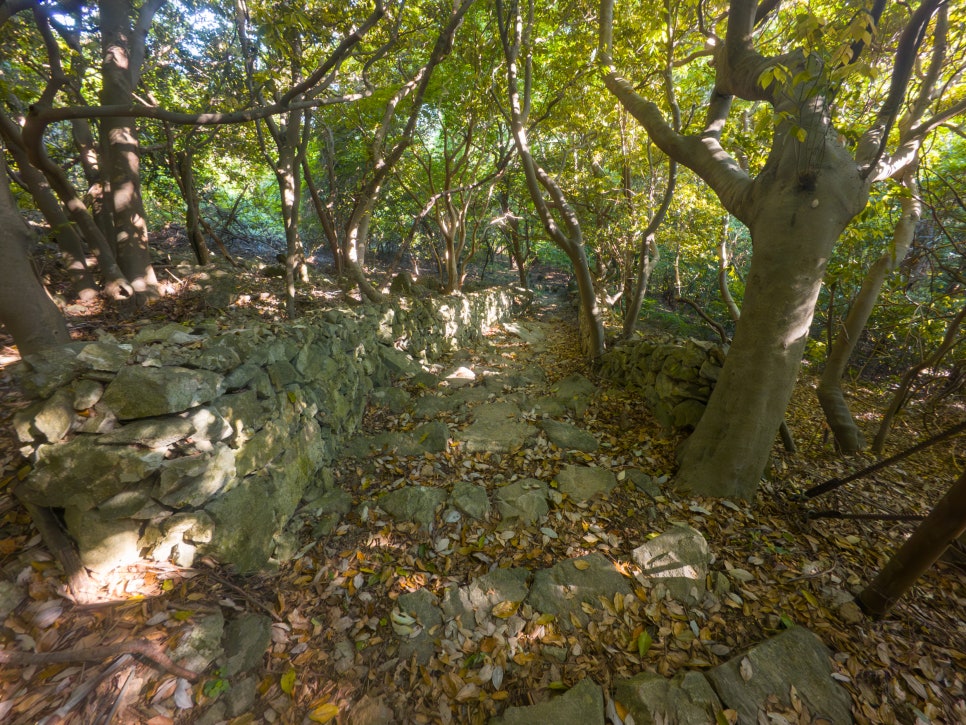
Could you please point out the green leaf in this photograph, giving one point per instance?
(786, 621)
(644, 642)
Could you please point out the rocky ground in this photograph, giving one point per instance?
(492, 541)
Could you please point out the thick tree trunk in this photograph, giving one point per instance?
(26, 310)
(793, 230)
(945, 523)
(830, 395)
(120, 148)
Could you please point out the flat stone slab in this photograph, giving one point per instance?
(523, 502)
(582, 483)
(651, 698)
(582, 704)
(413, 503)
(564, 587)
(423, 607)
(678, 559)
(497, 428)
(575, 392)
(473, 604)
(796, 657)
(470, 499)
(569, 437)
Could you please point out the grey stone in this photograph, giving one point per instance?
(244, 524)
(191, 481)
(201, 644)
(220, 358)
(413, 503)
(432, 437)
(496, 428)
(55, 416)
(102, 420)
(582, 704)
(652, 699)
(171, 333)
(569, 437)
(472, 604)
(150, 433)
(79, 475)
(575, 392)
(147, 392)
(11, 594)
(471, 500)
(582, 483)
(395, 399)
(522, 502)
(431, 406)
(281, 373)
(263, 447)
(424, 607)
(244, 692)
(679, 559)
(643, 482)
(41, 373)
(796, 657)
(87, 393)
(397, 362)
(529, 334)
(126, 504)
(245, 641)
(564, 587)
(208, 425)
(687, 413)
(104, 355)
(104, 544)
(547, 406)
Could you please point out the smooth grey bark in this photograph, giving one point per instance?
(565, 233)
(26, 310)
(808, 190)
(122, 52)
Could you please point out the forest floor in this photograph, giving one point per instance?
(909, 667)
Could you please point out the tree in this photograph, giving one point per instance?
(796, 206)
(557, 215)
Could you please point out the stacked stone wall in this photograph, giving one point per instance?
(190, 441)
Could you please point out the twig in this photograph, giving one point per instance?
(148, 650)
(84, 689)
(248, 597)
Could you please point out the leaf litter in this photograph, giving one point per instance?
(335, 647)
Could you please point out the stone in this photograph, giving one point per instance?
(582, 704)
(193, 480)
(413, 503)
(104, 544)
(172, 333)
(472, 604)
(431, 406)
(644, 482)
(150, 433)
(529, 334)
(795, 658)
(79, 475)
(244, 524)
(496, 428)
(55, 416)
(569, 437)
(678, 559)
(104, 356)
(471, 500)
(147, 392)
(201, 644)
(395, 399)
(522, 502)
(41, 373)
(653, 699)
(687, 413)
(87, 393)
(245, 641)
(424, 607)
(581, 483)
(562, 589)
(220, 358)
(575, 392)
(244, 692)
(397, 362)
(432, 437)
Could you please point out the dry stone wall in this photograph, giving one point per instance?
(675, 378)
(190, 441)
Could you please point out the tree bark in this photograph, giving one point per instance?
(26, 310)
(192, 208)
(120, 70)
(944, 524)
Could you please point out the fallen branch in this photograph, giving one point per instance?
(148, 650)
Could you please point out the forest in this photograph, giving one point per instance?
(784, 180)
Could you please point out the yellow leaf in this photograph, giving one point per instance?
(581, 564)
(505, 609)
(810, 598)
(287, 682)
(324, 713)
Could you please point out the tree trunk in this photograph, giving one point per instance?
(121, 151)
(830, 395)
(70, 243)
(192, 207)
(793, 231)
(650, 256)
(944, 524)
(26, 310)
